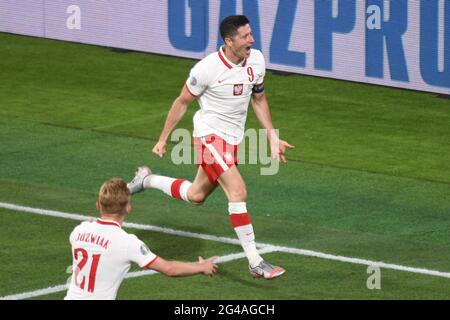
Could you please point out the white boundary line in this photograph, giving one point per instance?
(264, 248)
(36, 293)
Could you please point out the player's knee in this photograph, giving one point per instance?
(239, 194)
(197, 198)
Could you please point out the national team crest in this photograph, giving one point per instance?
(238, 89)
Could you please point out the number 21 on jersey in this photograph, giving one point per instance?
(82, 257)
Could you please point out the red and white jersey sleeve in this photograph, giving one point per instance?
(224, 90)
(139, 253)
(102, 254)
(262, 69)
(198, 80)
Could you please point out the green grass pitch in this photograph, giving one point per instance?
(369, 177)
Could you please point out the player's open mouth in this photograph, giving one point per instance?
(248, 49)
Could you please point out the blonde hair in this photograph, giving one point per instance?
(114, 196)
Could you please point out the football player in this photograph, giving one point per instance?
(102, 251)
(224, 82)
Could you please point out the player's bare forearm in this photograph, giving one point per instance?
(261, 106)
(181, 269)
(174, 116)
(262, 112)
(176, 113)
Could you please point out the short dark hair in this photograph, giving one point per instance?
(229, 25)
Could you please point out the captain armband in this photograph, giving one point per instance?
(258, 88)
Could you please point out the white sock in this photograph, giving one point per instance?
(244, 230)
(176, 188)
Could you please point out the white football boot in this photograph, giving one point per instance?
(137, 184)
(266, 270)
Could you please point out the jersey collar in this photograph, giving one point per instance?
(108, 223)
(228, 63)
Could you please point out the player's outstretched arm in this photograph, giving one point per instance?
(176, 113)
(180, 269)
(261, 107)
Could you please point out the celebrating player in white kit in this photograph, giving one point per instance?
(103, 252)
(223, 82)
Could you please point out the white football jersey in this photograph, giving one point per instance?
(102, 254)
(224, 91)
